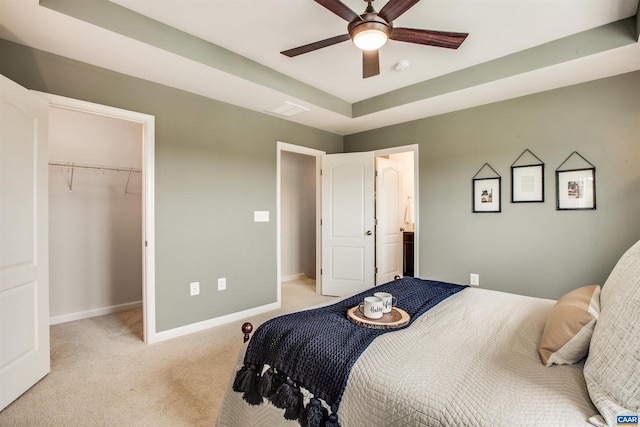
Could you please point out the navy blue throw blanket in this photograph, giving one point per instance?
(315, 349)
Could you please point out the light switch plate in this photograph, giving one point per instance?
(261, 216)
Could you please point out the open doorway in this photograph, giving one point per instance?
(395, 215)
(298, 217)
(297, 199)
(109, 173)
(95, 217)
(400, 254)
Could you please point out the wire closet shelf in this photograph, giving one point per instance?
(72, 166)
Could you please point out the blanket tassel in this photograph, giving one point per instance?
(333, 418)
(314, 415)
(269, 383)
(288, 397)
(247, 380)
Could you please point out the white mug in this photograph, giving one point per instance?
(372, 308)
(388, 301)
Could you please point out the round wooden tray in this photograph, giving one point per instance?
(395, 319)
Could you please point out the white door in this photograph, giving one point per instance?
(347, 223)
(388, 220)
(24, 286)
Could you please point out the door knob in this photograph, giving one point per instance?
(369, 233)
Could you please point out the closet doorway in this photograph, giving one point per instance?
(99, 194)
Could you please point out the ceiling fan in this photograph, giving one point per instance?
(372, 29)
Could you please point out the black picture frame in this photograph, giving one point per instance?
(527, 180)
(527, 184)
(576, 189)
(575, 186)
(486, 190)
(487, 195)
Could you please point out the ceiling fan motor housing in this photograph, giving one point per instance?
(370, 22)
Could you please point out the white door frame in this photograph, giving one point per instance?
(148, 202)
(416, 192)
(283, 146)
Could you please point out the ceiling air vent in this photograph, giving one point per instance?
(288, 109)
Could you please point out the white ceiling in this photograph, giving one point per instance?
(260, 29)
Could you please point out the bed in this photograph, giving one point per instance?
(476, 359)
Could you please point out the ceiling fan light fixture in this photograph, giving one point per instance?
(370, 39)
(370, 35)
(371, 30)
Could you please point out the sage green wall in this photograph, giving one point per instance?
(215, 164)
(529, 248)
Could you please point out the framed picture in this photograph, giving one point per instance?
(576, 189)
(527, 183)
(576, 184)
(527, 178)
(486, 194)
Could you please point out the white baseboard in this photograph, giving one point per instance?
(206, 324)
(64, 318)
(292, 277)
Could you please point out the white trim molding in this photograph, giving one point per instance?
(87, 314)
(218, 321)
(284, 146)
(148, 186)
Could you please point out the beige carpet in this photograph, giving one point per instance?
(102, 374)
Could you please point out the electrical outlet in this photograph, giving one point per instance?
(222, 283)
(195, 288)
(474, 279)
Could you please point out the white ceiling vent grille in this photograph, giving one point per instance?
(288, 109)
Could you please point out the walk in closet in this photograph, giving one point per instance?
(95, 214)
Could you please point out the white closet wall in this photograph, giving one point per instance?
(95, 228)
(298, 215)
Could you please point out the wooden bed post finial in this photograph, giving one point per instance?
(246, 330)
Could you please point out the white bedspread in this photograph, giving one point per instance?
(470, 361)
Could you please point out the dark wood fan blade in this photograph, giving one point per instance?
(395, 8)
(315, 46)
(370, 63)
(340, 9)
(429, 37)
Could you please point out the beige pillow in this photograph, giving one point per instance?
(567, 333)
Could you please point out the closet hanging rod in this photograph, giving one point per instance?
(74, 165)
